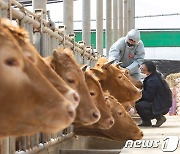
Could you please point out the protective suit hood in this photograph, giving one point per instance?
(133, 34)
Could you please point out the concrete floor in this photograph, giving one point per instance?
(170, 128)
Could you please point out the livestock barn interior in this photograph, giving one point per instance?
(53, 57)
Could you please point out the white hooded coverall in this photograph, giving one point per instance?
(131, 57)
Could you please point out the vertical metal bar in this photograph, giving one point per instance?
(108, 25)
(5, 146)
(37, 139)
(132, 14)
(53, 44)
(31, 32)
(121, 23)
(76, 56)
(99, 26)
(38, 38)
(37, 41)
(128, 15)
(12, 145)
(9, 10)
(33, 141)
(68, 16)
(57, 43)
(28, 143)
(86, 31)
(79, 58)
(125, 17)
(115, 21)
(49, 44)
(24, 143)
(40, 4)
(44, 47)
(27, 26)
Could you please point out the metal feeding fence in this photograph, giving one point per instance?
(46, 37)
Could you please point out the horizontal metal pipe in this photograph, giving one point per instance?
(36, 24)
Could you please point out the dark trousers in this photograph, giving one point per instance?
(144, 109)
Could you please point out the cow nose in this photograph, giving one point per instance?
(76, 97)
(111, 121)
(71, 112)
(142, 134)
(96, 115)
(73, 97)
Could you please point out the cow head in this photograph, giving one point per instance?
(106, 121)
(124, 128)
(136, 82)
(113, 80)
(66, 67)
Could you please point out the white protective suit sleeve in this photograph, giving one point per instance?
(115, 50)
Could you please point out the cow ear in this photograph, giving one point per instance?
(98, 73)
(107, 64)
(83, 68)
(55, 53)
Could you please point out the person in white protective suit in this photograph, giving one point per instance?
(130, 51)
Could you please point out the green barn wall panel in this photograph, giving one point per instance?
(93, 38)
(149, 38)
(161, 38)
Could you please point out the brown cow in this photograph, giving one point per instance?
(113, 80)
(64, 64)
(125, 71)
(123, 129)
(106, 121)
(29, 103)
(32, 54)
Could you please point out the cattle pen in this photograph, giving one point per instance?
(46, 37)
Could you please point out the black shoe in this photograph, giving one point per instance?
(160, 120)
(145, 123)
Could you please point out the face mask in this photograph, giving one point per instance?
(129, 44)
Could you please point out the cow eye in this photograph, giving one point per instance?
(92, 93)
(119, 76)
(127, 72)
(70, 80)
(11, 62)
(119, 113)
